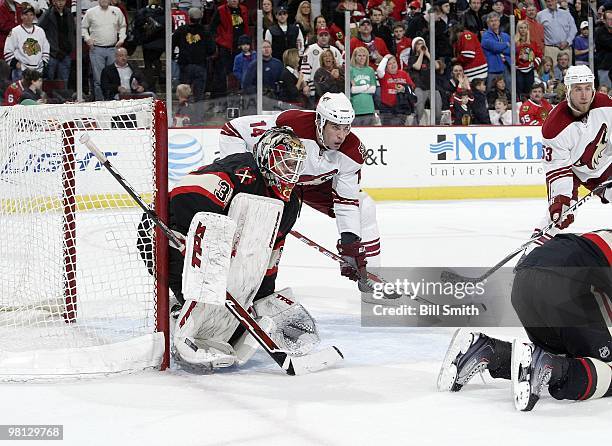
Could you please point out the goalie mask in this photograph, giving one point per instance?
(281, 156)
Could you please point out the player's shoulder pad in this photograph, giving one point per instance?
(601, 100)
(302, 122)
(353, 148)
(559, 118)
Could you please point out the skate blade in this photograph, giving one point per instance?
(448, 371)
(521, 389)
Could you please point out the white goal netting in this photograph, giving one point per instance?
(76, 298)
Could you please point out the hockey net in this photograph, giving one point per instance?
(76, 298)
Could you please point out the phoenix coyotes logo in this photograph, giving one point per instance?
(31, 47)
(594, 150)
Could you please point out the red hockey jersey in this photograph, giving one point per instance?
(534, 114)
(12, 94)
(470, 56)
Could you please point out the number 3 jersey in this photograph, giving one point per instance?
(330, 182)
(211, 189)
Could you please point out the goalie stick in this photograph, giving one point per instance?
(449, 276)
(293, 365)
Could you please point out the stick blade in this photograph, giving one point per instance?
(314, 362)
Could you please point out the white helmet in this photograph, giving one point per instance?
(336, 108)
(578, 74)
(281, 157)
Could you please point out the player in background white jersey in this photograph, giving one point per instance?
(330, 181)
(576, 146)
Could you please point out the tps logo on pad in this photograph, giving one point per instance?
(185, 154)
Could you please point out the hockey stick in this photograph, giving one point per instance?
(293, 365)
(337, 258)
(449, 276)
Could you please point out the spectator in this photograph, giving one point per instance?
(228, 24)
(59, 28)
(480, 109)
(416, 24)
(444, 49)
(329, 77)
(389, 8)
(468, 53)
(545, 73)
(497, 90)
(311, 59)
(336, 36)
(471, 19)
(603, 89)
(444, 12)
(268, 14)
(379, 29)
(32, 85)
(581, 45)
(603, 45)
(244, 58)
(303, 19)
(458, 80)
(559, 28)
(375, 45)
(119, 4)
(504, 20)
(27, 45)
(121, 77)
(536, 109)
(149, 29)
(397, 98)
(293, 87)
(12, 94)
(272, 70)
(401, 45)
(528, 57)
(104, 30)
(461, 107)
(496, 48)
(195, 45)
(418, 69)
(363, 87)
(563, 63)
(501, 115)
(185, 114)
(10, 16)
(283, 35)
(536, 30)
(353, 7)
(580, 12)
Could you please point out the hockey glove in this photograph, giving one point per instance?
(557, 208)
(605, 195)
(353, 254)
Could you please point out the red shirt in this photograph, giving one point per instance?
(388, 91)
(12, 94)
(534, 114)
(533, 53)
(179, 18)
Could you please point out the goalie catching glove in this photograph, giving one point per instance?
(354, 255)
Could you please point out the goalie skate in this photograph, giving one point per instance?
(468, 353)
(202, 356)
(532, 368)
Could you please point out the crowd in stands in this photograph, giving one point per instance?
(391, 58)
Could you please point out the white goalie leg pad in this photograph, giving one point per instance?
(286, 321)
(194, 341)
(370, 235)
(207, 257)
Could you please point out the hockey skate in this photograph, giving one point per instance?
(468, 353)
(532, 369)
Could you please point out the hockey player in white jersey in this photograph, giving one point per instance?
(330, 182)
(576, 146)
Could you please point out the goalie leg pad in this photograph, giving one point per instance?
(207, 258)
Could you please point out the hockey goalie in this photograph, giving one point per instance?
(232, 214)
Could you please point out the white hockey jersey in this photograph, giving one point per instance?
(342, 167)
(30, 47)
(576, 151)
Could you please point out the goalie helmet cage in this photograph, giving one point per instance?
(76, 296)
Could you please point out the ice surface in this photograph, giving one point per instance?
(383, 393)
